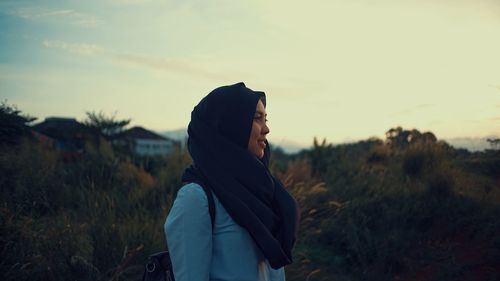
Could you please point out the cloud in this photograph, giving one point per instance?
(165, 64)
(76, 48)
(51, 15)
(149, 62)
(131, 2)
(411, 110)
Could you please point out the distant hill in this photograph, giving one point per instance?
(472, 144)
(178, 135)
(290, 147)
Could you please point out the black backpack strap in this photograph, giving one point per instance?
(211, 203)
(159, 266)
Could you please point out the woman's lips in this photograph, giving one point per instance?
(262, 143)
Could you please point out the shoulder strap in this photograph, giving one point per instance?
(211, 203)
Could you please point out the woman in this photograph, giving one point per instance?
(255, 217)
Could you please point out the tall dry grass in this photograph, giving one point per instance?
(368, 211)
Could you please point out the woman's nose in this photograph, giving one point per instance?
(265, 130)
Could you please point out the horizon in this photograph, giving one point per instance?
(290, 146)
(338, 70)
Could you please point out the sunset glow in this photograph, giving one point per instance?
(341, 70)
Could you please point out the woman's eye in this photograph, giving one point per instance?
(260, 118)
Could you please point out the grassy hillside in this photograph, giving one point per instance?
(372, 210)
(386, 211)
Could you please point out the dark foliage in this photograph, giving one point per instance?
(370, 210)
(14, 125)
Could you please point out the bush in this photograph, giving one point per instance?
(369, 211)
(98, 216)
(382, 237)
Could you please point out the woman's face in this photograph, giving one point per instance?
(256, 143)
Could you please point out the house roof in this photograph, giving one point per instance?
(141, 133)
(59, 127)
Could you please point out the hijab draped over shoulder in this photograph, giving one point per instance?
(219, 131)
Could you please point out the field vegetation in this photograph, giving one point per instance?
(408, 207)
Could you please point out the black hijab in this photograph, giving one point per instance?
(219, 131)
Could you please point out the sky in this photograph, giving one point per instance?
(342, 70)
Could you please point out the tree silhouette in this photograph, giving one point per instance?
(106, 126)
(14, 124)
(400, 137)
(494, 142)
(320, 156)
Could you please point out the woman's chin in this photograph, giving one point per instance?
(259, 154)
